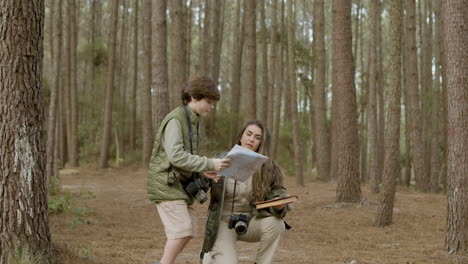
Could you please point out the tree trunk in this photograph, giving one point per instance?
(349, 188)
(133, 90)
(73, 132)
(319, 100)
(106, 136)
(373, 87)
(272, 68)
(179, 52)
(53, 107)
(392, 138)
(455, 39)
(236, 72)
(147, 133)
(279, 92)
(205, 49)
(414, 115)
(161, 103)
(250, 68)
(292, 90)
(265, 87)
(23, 210)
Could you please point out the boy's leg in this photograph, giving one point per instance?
(179, 225)
(173, 248)
(268, 232)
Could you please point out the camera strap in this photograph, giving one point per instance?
(189, 124)
(233, 196)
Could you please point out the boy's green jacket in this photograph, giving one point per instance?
(165, 181)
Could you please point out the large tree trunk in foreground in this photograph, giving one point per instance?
(23, 188)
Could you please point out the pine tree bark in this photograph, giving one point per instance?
(349, 188)
(23, 192)
(292, 90)
(374, 149)
(414, 112)
(133, 90)
(272, 68)
(250, 68)
(161, 103)
(179, 52)
(73, 131)
(106, 136)
(205, 49)
(147, 132)
(392, 138)
(236, 71)
(52, 140)
(265, 85)
(455, 39)
(279, 94)
(319, 100)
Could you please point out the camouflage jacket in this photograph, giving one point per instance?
(216, 206)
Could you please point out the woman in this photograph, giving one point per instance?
(230, 199)
(175, 164)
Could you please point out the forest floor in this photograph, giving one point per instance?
(124, 228)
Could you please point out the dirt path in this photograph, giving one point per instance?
(125, 228)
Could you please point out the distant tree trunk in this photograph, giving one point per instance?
(205, 48)
(426, 87)
(147, 132)
(23, 193)
(73, 136)
(392, 154)
(292, 90)
(455, 39)
(265, 85)
(161, 103)
(279, 92)
(436, 117)
(373, 87)
(133, 90)
(349, 188)
(217, 40)
(52, 140)
(380, 92)
(179, 53)
(319, 100)
(250, 68)
(272, 68)
(413, 109)
(236, 71)
(106, 136)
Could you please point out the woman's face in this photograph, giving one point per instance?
(203, 106)
(252, 137)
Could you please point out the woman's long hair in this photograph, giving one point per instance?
(270, 175)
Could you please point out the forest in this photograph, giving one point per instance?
(366, 102)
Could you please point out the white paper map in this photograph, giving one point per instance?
(244, 163)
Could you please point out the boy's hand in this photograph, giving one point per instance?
(221, 164)
(213, 175)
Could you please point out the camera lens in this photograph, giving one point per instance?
(241, 228)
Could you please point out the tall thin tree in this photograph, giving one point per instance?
(319, 100)
(392, 138)
(147, 132)
(250, 68)
(106, 135)
(161, 103)
(349, 188)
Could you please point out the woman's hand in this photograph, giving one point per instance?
(213, 175)
(279, 207)
(221, 164)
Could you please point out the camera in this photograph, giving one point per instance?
(239, 222)
(197, 189)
